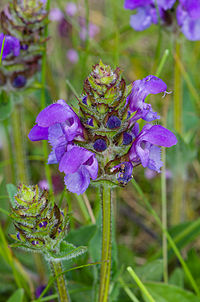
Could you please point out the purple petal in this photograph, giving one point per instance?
(11, 45)
(56, 135)
(166, 4)
(92, 166)
(132, 4)
(144, 17)
(78, 182)
(191, 29)
(155, 162)
(52, 159)
(54, 113)
(158, 135)
(144, 87)
(192, 7)
(38, 133)
(73, 159)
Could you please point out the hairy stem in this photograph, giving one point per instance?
(57, 271)
(106, 244)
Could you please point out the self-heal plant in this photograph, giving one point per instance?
(41, 227)
(103, 142)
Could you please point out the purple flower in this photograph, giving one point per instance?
(58, 124)
(188, 18)
(93, 29)
(145, 148)
(72, 56)
(79, 165)
(146, 12)
(11, 46)
(71, 9)
(55, 14)
(141, 89)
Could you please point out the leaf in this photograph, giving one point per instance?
(81, 236)
(168, 293)
(68, 251)
(177, 277)
(152, 271)
(12, 191)
(17, 296)
(6, 106)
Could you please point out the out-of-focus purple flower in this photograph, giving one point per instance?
(79, 165)
(56, 14)
(150, 174)
(43, 184)
(58, 124)
(93, 29)
(146, 12)
(145, 148)
(188, 18)
(141, 89)
(40, 289)
(71, 9)
(145, 16)
(72, 56)
(11, 46)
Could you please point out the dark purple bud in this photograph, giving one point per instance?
(127, 138)
(18, 236)
(43, 224)
(90, 122)
(100, 145)
(84, 100)
(59, 230)
(19, 81)
(34, 242)
(24, 46)
(113, 122)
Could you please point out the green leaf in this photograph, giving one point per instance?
(152, 271)
(12, 191)
(177, 277)
(68, 251)
(17, 296)
(168, 293)
(82, 235)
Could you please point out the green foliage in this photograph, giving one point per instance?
(17, 296)
(168, 293)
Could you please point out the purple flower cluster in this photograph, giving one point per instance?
(61, 126)
(187, 13)
(11, 46)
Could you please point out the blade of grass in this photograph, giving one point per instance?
(140, 284)
(128, 291)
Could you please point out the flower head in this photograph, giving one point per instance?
(105, 144)
(40, 226)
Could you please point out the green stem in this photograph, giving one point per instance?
(164, 217)
(17, 130)
(177, 91)
(140, 284)
(178, 184)
(106, 243)
(60, 281)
